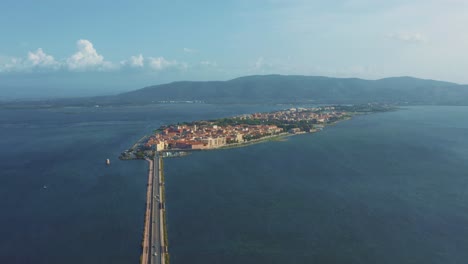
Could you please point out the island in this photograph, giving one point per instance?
(181, 138)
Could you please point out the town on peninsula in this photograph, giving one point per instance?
(177, 139)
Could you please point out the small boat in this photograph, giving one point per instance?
(107, 161)
(44, 187)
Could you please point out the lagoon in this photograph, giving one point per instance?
(381, 188)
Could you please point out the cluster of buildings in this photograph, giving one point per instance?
(313, 115)
(209, 135)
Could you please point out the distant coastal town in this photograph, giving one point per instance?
(179, 139)
(243, 129)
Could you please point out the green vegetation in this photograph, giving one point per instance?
(285, 125)
(162, 170)
(279, 89)
(237, 121)
(364, 108)
(303, 89)
(165, 229)
(164, 221)
(140, 154)
(163, 197)
(278, 138)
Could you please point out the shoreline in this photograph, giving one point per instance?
(150, 156)
(279, 137)
(258, 141)
(163, 222)
(176, 140)
(147, 221)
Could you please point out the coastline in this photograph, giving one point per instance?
(147, 221)
(285, 135)
(279, 137)
(175, 140)
(258, 141)
(163, 223)
(149, 155)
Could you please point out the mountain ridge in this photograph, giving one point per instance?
(290, 88)
(277, 88)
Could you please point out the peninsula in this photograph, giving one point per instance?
(243, 129)
(177, 139)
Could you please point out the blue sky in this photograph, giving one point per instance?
(68, 48)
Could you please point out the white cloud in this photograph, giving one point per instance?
(188, 50)
(207, 63)
(87, 58)
(134, 61)
(160, 63)
(11, 64)
(413, 37)
(36, 60)
(137, 61)
(273, 65)
(259, 63)
(40, 59)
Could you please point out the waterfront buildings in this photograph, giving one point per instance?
(219, 133)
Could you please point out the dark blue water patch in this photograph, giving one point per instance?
(86, 209)
(89, 212)
(382, 188)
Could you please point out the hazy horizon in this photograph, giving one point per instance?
(235, 131)
(83, 89)
(119, 47)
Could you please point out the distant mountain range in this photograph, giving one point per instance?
(292, 89)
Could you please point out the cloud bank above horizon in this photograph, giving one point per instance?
(85, 59)
(126, 45)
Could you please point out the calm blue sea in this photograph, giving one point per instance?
(381, 188)
(89, 213)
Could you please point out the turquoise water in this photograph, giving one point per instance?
(89, 213)
(381, 188)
